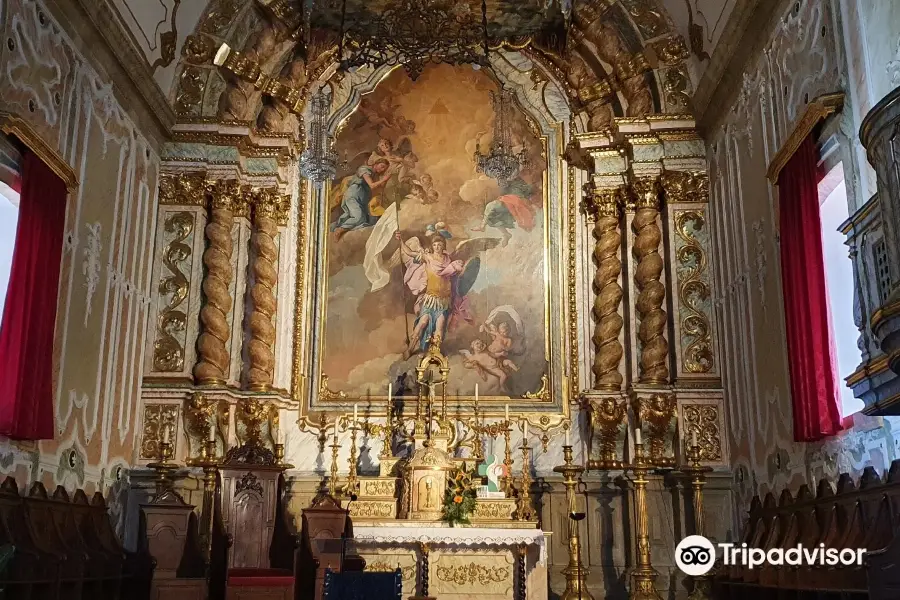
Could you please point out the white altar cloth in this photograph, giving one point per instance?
(457, 536)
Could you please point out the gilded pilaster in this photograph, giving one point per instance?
(605, 207)
(213, 365)
(260, 346)
(654, 348)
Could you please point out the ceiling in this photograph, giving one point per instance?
(165, 32)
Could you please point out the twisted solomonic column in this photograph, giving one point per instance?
(260, 346)
(651, 291)
(212, 347)
(605, 207)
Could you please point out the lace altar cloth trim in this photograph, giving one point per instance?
(455, 536)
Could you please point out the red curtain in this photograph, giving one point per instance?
(29, 316)
(809, 343)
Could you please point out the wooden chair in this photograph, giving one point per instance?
(249, 495)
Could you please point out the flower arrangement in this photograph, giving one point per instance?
(459, 501)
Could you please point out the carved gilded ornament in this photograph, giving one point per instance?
(473, 574)
(198, 49)
(325, 393)
(373, 509)
(157, 418)
(607, 420)
(676, 86)
(182, 189)
(686, 186)
(656, 414)
(497, 511)
(704, 420)
(649, 19)
(380, 488)
(671, 50)
(199, 412)
(635, 66)
(692, 271)
(373, 565)
(174, 285)
(192, 84)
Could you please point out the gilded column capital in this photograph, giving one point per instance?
(686, 186)
(183, 189)
(602, 202)
(646, 192)
(266, 203)
(225, 194)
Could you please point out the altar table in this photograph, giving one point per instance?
(462, 562)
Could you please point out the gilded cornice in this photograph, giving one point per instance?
(818, 109)
(21, 129)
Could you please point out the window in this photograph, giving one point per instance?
(9, 217)
(833, 211)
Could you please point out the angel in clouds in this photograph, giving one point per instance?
(439, 281)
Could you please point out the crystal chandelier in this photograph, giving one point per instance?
(415, 33)
(501, 163)
(318, 163)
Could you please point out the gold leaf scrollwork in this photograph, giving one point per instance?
(408, 573)
(472, 574)
(542, 394)
(704, 419)
(693, 292)
(157, 417)
(325, 393)
(168, 351)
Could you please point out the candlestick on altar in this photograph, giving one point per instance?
(643, 575)
(209, 462)
(507, 459)
(332, 482)
(696, 471)
(525, 510)
(568, 442)
(387, 445)
(352, 486)
(576, 574)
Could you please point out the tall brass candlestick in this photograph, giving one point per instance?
(697, 472)
(507, 460)
(576, 574)
(332, 482)
(525, 511)
(210, 465)
(165, 467)
(352, 486)
(643, 575)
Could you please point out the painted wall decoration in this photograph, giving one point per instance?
(421, 244)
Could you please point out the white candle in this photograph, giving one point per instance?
(279, 436)
(390, 394)
(525, 433)
(568, 441)
(165, 435)
(476, 395)
(693, 438)
(354, 414)
(637, 436)
(507, 412)
(212, 429)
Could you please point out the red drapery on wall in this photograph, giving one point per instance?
(809, 343)
(29, 316)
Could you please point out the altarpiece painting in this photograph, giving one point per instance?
(421, 246)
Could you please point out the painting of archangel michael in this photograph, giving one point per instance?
(421, 246)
